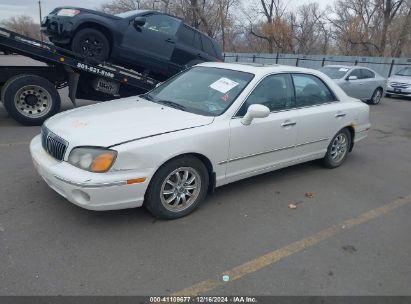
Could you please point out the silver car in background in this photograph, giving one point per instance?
(400, 83)
(358, 82)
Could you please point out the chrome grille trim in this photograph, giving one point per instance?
(401, 85)
(53, 144)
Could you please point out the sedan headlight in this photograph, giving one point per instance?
(68, 12)
(93, 159)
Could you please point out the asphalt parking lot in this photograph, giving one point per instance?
(349, 235)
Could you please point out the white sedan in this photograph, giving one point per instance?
(211, 125)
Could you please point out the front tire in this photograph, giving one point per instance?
(376, 96)
(30, 99)
(91, 43)
(338, 149)
(177, 188)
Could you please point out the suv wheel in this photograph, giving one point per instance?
(91, 43)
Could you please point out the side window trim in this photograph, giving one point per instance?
(335, 99)
(156, 14)
(257, 84)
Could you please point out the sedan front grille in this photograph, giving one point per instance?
(53, 144)
(399, 85)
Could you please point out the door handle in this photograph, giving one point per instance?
(338, 115)
(169, 40)
(288, 124)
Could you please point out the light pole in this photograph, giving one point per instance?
(41, 34)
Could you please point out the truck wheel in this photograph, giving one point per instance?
(91, 43)
(30, 99)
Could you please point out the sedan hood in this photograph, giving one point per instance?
(85, 10)
(118, 121)
(401, 79)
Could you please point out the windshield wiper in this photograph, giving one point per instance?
(165, 102)
(172, 104)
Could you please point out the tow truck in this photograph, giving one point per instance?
(30, 93)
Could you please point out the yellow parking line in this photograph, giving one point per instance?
(20, 143)
(279, 254)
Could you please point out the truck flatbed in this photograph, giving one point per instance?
(27, 92)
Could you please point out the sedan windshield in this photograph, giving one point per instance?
(404, 72)
(335, 72)
(202, 90)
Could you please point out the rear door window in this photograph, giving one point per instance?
(186, 35)
(208, 46)
(311, 90)
(162, 23)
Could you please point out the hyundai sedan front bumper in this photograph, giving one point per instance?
(94, 191)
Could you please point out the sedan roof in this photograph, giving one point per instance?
(347, 66)
(258, 69)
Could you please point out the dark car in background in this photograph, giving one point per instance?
(149, 41)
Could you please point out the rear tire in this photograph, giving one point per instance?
(91, 43)
(30, 99)
(172, 192)
(338, 149)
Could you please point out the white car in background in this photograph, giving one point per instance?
(211, 125)
(400, 83)
(357, 81)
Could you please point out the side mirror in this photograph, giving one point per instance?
(139, 21)
(255, 111)
(352, 78)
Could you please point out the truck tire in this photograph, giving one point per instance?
(91, 43)
(30, 99)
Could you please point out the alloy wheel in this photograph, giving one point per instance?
(180, 189)
(339, 147)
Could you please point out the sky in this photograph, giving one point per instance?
(10, 8)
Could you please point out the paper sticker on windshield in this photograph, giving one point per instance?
(343, 70)
(223, 85)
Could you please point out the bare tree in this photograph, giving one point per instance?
(121, 6)
(23, 25)
(355, 26)
(389, 10)
(274, 29)
(350, 27)
(309, 29)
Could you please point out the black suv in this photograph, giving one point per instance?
(149, 41)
